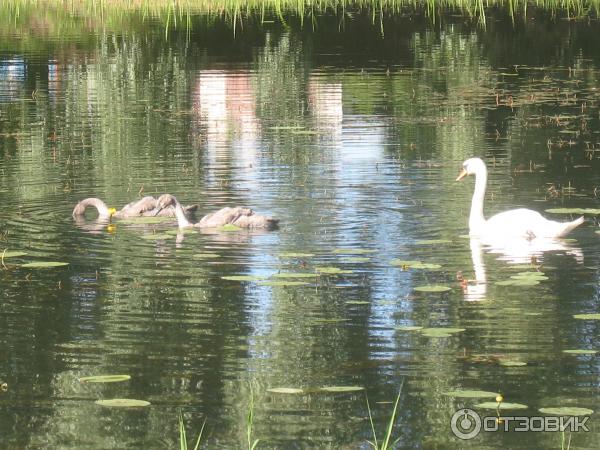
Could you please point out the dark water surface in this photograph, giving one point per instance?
(353, 140)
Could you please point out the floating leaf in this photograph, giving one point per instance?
(530, 274)
(466, 393)
(332, 270)
(523, 282)
(295, 255)
(512, 363)
(157, 236)
(295, 275)
(207, 255)
(228, 227)
(357, 302)
(104, 378)
(567, 411)
(433, 288)
(592, 316)
(502, 405)
(404, 262)
(122, 403)
(11, 254)
(284, 390)
(433, 242)
(342, 388)
(44, 264)
(244, 277)
(408, 328)
(282, 283)
(414, 264)
(581, 352)
(591, 211)
(353, 251)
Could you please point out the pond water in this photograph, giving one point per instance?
(353, 139)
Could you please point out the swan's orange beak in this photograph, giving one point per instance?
(463, 173)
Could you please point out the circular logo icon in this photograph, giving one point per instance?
(465, 424)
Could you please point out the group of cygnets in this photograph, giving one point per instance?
(168, 206)
(522, 223)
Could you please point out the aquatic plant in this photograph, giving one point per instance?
(182, 435)
(385, 444)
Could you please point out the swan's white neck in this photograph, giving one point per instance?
(476, 219)
(182, 221)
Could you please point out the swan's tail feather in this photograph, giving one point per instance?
(570, 226)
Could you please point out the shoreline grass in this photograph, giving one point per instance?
(177, 11)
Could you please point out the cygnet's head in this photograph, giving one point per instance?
(164, 201)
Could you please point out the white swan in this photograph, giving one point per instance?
(514, 223)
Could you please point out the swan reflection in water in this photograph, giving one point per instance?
(514, 250)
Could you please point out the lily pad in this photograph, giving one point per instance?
(228, 228)
(282, 283)
(440, 332)
(342, 388)
(592, 316)
(11, 254)
(581, 351)
(530, 274)
(466, 393)
(145, 220)
(523, 282)
(296, 255)
(44, 264)
(591, 211)
(157, 236)
(284, 390)
(353, 251)
(123, 403)
(243, 277)
(414, 264)
(404, 262)
(409, 328)
(502, 405)
(104, 378)
(433, 242)
(332, 270)
(295, 275)
(512, 363)
(433, 288)
(207, 255)
(567, 411)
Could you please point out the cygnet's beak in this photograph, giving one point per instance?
(157, 210)
(463, 173)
